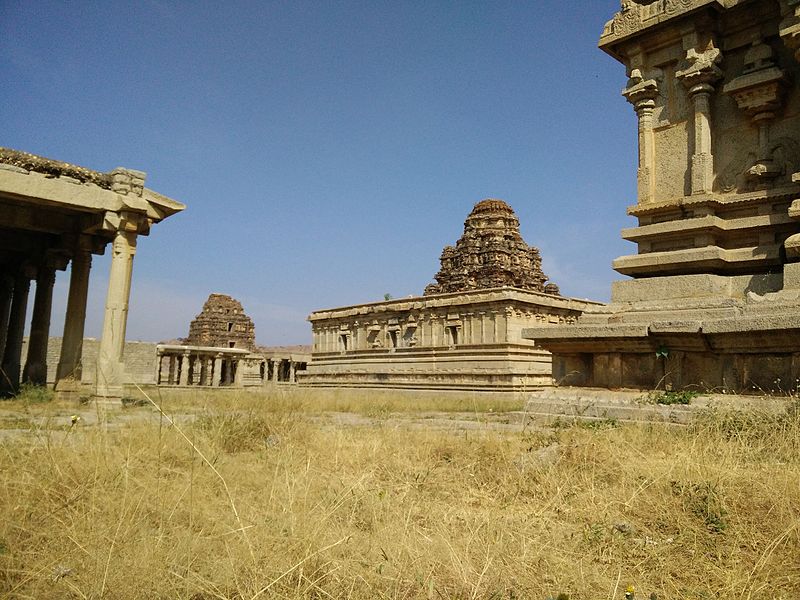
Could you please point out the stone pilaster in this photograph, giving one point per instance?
(35, 370)
(642, 94)
(759, 92)
(12, 353)
(69, 371)
(698, 76)
(110, 368)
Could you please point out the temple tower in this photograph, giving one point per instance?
(490, 254)
(223, 324)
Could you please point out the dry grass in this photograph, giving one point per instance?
(257, 497)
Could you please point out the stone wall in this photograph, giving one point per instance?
(139, 357)
(469, 341)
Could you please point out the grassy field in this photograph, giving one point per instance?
(267, 496)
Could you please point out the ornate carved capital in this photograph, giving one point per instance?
(641, 92)
(700, 71)
(759, 89)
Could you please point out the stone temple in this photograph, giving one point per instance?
(464, 333)
(713, 302)
(223, 324)
(54, 214)
(490, 254)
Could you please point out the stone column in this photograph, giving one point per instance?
(6, 295)
(12, 354)
(276, 368)
(110, 368)
(184, 369)
(69, 371)
(35, 370)
(159, 361)
(292, 371)
(215, 376)
(698, 77)
(172, 365)
(642, 94)
(203, 370)
(238, 372)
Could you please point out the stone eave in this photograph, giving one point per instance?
(622, 28)
(160, 206)
(64, 192)
(454, 299)
(789, 191)
(72, 195)
(208, 349)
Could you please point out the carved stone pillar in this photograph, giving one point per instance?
(35, 370)
(217, 375)
(203, 370)
(70, 368)
(699, 76)
(642, 94)
(184, 369)
(172, 367)
(12, 354)
(110, 368)
(159, 364)
(6, 295)
(276, 369)
(292, 371)
(237, 366)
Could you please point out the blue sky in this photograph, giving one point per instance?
(326, 151)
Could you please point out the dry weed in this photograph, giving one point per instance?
(259, 500)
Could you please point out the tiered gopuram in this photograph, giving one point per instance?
(223, 324)
(490, 254)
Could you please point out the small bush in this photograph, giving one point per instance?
(34, 394)
(671, 397)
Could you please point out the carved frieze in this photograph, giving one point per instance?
(635, 15)
(759, 92)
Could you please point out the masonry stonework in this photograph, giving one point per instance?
(464, 333)
(714, 299)
(223, 324)
(490, 254)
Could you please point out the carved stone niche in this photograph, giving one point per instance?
(759, 92)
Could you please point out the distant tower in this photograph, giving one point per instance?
(490, 254)
(223, 324)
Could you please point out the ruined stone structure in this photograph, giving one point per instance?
(461, 341)
(148, 363)
(490, 254)
(464, 333)
(221, 351)
(715, 297)
(53, 214)
(222, 324)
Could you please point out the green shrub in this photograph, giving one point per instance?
(34, 394)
